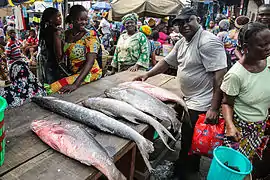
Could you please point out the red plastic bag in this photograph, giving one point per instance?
(207, 137)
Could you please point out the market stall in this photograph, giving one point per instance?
(27, 157)
(146, 8)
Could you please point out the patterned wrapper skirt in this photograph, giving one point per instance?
(253, 140)
(24, 85)
(94, 74)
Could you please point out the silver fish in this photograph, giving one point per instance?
(158, 92)
(116, 108)
(145, 103)
(75, 142)
(97, 120)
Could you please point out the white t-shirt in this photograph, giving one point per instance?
(196, 61)
(105, 26)
(251, 91)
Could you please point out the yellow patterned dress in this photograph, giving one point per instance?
(76, 54)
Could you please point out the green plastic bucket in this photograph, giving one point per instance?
(3, 105)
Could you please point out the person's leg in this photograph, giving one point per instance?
(187, 163)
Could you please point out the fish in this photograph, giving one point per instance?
(97, 120)
(158, 92)
(145, 103)
(116, 108)
(75, 142)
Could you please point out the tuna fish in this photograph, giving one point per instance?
(97, 120)
(75, 142)
(158, 92)
(122, 109)
(145, 103)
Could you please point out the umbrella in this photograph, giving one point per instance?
(101, 6)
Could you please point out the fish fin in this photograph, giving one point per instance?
(146, 147)
(108, 113)
(131, 119)
(161, 130)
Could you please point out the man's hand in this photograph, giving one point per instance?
(212, 116)
(141, 78)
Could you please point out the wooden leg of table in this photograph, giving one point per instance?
(127, 163)
(132, 165)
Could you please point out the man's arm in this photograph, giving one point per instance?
(161, 67)
(214, 60)
(217, 93)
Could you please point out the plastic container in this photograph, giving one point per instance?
(3, 105)
(234, 158)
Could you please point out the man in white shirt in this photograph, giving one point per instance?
(202, 63)
(106, 32)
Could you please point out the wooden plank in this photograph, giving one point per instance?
(23, 145)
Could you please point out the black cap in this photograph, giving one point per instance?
(185, 13)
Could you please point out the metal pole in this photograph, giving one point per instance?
(65, 11)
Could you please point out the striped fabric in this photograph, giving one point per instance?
(13, 51)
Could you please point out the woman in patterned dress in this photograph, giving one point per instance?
(132, 51)
(80, 48)
(247, 93)
(24, 85)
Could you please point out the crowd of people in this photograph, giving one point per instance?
(224, 66)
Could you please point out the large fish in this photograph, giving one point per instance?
(122, 109)
(158, 92)
(145, 103)
(97, 120)
(75, 142)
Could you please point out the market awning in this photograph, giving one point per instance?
(150, 8)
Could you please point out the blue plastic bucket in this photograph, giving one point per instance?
(224, 154)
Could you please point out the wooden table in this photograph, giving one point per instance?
(28, 158)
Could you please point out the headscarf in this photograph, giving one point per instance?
(224, 24)
(133, 16)
(146, 30)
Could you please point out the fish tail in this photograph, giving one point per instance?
(146, 147)
(175, 123)
(117, 175)
(162, 131)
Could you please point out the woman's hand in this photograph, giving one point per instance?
(134, 68)
(232, 132)
(68, 88)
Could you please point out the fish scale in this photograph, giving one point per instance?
(97, 120)
(75, 142)
(146, 103)
(116, 108)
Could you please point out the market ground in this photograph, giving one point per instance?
(164, 170)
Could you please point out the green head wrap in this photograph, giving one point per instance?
(133, 16)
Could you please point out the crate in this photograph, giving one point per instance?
(3, 105)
